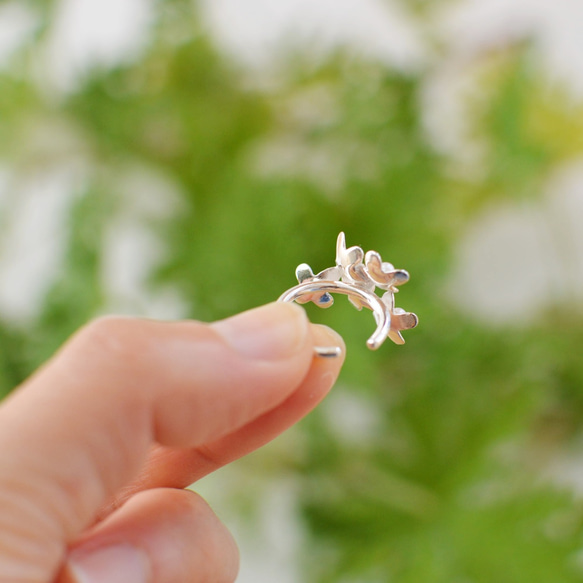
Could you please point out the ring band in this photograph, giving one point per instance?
(370, 300)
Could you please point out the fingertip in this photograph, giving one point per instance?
(164, 534)
(328, 343)
(271, 332)
(121, 563)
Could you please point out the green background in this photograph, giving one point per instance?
(452, 484)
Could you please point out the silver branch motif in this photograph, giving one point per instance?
(365, 273)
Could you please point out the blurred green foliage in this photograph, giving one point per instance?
(449, 487)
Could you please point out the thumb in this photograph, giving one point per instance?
(81, 428)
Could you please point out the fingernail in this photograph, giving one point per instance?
(118, 564)
(271, 332)
(327, 342)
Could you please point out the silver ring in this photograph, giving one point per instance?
(356, 275)
(372, 301)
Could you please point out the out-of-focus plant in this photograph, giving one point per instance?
(447, 483)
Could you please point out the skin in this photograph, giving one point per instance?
(97, 447)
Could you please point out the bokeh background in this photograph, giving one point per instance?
(172, 159)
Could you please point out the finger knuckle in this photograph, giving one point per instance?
(110, 335)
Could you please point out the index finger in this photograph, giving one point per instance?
(81, 428)
(179, 467)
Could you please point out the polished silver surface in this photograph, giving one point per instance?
(357, 276)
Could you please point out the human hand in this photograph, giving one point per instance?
(97, 446)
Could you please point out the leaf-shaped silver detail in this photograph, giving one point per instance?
(404, 320)
(347, 257)
(356, 275)
(305, 274)
(330, 274)
(400, 319)
(384, 274)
